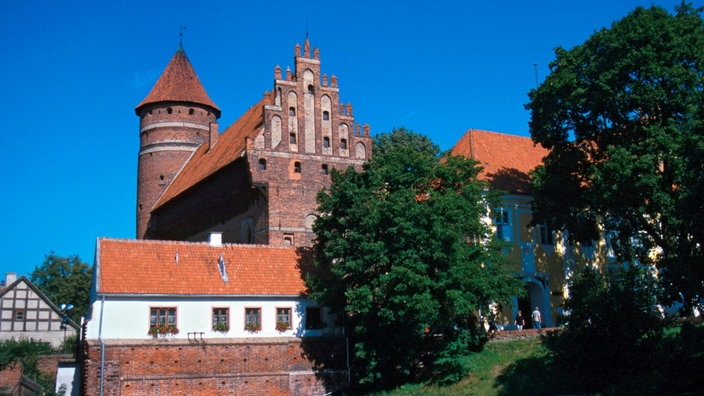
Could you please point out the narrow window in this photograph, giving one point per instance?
(252, 319)
(191, 111)
(292, 111)
(288, 239)
(314, 320)
(297, 167)
(343, 144)
(221, 319)
(292, 138)
(311, 89)
(545, 234)
(326, 115)
(326, 142)
(169, 110)
(324, 169)
(283, 319)
(262, 164)
(502, 224)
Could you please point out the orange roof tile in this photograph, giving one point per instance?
(506, 159)
(206, 161)
(190, 268)
(179, 83)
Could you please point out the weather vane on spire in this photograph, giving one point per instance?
(180, 36)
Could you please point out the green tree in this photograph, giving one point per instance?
(622, 115)
(402, 256)
(65, 280)
(613, 331)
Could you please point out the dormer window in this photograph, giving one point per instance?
(343, 144)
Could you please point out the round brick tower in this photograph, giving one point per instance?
(175, 118)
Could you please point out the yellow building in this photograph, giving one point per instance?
(542, 257)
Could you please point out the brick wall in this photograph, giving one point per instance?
(236, 367)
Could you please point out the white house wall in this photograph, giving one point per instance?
(129, 318)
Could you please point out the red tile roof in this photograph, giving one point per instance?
(191, 268)
(507, 159)
(205, 161)
(179, 83)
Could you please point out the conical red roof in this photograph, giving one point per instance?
(179, 83)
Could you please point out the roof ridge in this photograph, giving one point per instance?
(176, 242)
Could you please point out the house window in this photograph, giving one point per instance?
(221, 319)
(292, 111)
(262, 164)
(191, 111)
(162, 316)
(502, 224)
(169, 110)
(326, 115)
(326, 142)
(252, 319)
(19, 315)
(343, 144)
(288, 239)
(314, 319)
(283, 318)
(545, 234)
(324, 169)
(292, 138)
(297, 167)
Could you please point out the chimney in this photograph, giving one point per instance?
(10, 277)
(213, 137)
(215, 238)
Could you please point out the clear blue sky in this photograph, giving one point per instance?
(73, 71)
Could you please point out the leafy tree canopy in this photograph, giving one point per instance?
(65, 280)
(395, 258)
(623, 116)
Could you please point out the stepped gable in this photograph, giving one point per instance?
(506, 159)
(230, 145)
(189, 268)
(178, 83)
